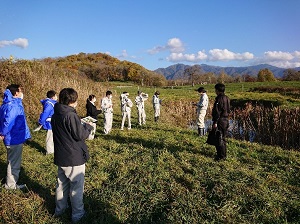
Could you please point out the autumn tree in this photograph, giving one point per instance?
(192, 73)
(291, 75)
(265, 75)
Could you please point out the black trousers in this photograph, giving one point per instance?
(223, 125)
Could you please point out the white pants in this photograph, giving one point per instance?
(70, 183)
(200, 118)
(49, 142)
(108, 118)
(156, 111)
(141, 116)
(93, 132)
(126, 114)
(14, 157)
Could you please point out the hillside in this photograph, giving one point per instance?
(176, 71)
(103, 67)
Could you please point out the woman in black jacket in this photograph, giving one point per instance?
(91, 109)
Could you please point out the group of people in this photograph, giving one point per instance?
(125, 105)
(66, 134)
(220, 113)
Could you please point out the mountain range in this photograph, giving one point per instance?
(176, 71)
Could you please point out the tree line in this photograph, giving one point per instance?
(194, 75)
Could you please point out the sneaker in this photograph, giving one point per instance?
(20, 186)
(79, 219)
(17, 186)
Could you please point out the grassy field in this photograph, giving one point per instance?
(161, 173)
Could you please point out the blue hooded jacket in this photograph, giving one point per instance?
(48, 111)
(13, 125)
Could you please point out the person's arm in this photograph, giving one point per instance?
(78, 130)
(94, 111)
(216, 112)
(48, 108)
(9, 120)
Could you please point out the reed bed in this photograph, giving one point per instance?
(271, 126)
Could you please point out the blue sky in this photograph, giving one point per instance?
(156, 33)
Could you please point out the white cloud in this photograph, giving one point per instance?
(226, 55)
(176, 49)
(156, 50)
(285, 64)
(280, 59)
(20, 42)
(173, 45)
(297, 54)
(278, 56)
(175, 57)
(123, 54)
(214, 55)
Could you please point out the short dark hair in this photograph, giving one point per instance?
(51, 93)
(13, 88)
(220, 87)
(68, 96)
(108, 92)
(125, 92)
(156, 93)
(91, 97)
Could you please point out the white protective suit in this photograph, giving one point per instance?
(126, 105)
(107, 108)
(139, 101)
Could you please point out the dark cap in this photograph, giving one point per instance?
(201, 90)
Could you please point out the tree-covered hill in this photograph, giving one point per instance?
(103, 67)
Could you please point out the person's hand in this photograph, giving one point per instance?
(1, 137)
(214, 126)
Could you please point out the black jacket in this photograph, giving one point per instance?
(91, 110)
(68, 136)
(221, 108)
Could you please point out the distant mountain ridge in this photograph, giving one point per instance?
(176, 71)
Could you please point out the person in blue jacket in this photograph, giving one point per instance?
(45, 119)
(14, 131)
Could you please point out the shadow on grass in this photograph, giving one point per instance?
(156, 144)
(97, 211)
(35, 145)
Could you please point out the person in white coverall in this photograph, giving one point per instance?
(107, 108)
(126, 105)
(139, 101)
(156, 106)
(202, 106)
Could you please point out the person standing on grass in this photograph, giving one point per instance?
(126, 105)
(45, 119)
(70, 154)
(139, 101)
(220, 113)
(107, 108)
(14, 131)
(91, 109)
(202, 106)
(156, 105)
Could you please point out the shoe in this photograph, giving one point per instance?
(17, 186)
(79, 219)
(20, 186)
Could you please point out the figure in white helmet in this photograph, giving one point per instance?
(139, 101)
(126, 105)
